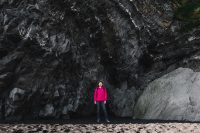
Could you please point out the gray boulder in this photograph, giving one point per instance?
(175, 96)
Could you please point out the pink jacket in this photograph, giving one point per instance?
(100, 94)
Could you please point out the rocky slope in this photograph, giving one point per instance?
(52, 53)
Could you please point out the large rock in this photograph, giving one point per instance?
(174, 96)
(57, 50)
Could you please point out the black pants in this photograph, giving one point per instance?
(100, 104)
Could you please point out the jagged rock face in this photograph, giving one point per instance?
(175, 96)
(56, 51)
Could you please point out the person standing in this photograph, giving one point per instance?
(100, 98)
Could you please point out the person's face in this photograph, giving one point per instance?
(100, 84)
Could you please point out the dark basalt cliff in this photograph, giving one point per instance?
(53, 52)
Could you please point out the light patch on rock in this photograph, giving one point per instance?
(56, 93)
(47, 111)
(191, 38)
(14, 92)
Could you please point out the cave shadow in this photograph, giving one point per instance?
(92, 120)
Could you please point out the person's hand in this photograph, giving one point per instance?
(104, 102)
(95, 102)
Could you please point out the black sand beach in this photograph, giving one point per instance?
(89, 125)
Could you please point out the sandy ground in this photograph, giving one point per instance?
(99, 128)
(116, 126)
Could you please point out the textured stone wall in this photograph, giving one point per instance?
(52, 53)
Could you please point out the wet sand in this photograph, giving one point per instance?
(90, 126)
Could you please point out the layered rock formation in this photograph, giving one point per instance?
(52, 53)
